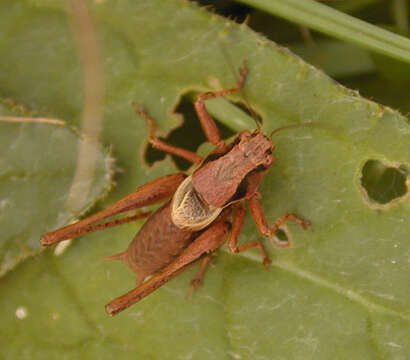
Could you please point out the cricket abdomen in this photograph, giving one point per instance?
(158, 243)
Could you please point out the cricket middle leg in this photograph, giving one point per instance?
(270, 232)
(236, 229)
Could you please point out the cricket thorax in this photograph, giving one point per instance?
(218, 181)
(189, 211)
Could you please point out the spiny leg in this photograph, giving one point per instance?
(211, 239)
(112, 223)
(151, 193)
(233, 240)
(260, 221)
(208, 124)
(163, 146)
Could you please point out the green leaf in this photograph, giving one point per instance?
(354, 5)
(330, 57)
(37, 164)
(323, 18)
(340, 292)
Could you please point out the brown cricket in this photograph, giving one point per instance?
(200, 209)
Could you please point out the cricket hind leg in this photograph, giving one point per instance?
(163, 146)
(207, 242)
(151, 193)
(113, 223)
(271, 232)
(208, 125)
(236, 229)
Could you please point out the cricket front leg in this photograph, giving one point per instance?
(233, 240)
(206, 243)
(163, 146)
(207, 123)
(148, 194)
(270, 232)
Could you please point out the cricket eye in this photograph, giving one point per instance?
(268, 160)
(245, 135)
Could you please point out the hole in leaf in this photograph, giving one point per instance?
(188, 136)
(383, 183)
(281, 235)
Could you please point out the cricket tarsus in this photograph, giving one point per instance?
(270, 232)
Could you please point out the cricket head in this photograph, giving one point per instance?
(257, 148)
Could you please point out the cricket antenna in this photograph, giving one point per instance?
(232, 68)
(290, 127)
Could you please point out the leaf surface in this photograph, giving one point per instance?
(38, 162)
(340, 292)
